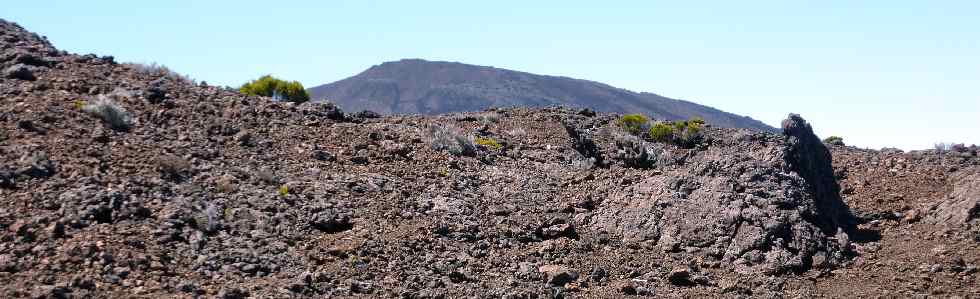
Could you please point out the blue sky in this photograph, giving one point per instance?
(879, 73)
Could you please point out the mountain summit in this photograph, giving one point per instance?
(416, 86)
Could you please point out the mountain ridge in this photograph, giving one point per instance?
(418, 86)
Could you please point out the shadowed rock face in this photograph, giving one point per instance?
(415, 86)
(810, 158)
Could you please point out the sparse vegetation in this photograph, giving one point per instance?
(691, 132)
(834, 140)
(489, 143)
(159, 70)
(109, 111)
(173, 167)
(447, 139)
(280, 90)
(661, 132)
(697, 120)
(634, 123)
(683, 133)
(225, 184)
(486, 118)
(516, 132)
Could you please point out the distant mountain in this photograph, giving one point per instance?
(415, 86)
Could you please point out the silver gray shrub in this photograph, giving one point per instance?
(444, 138)
(110, 111)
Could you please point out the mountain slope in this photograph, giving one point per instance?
(415, 86)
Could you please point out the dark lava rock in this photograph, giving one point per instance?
(734, 211)
(331, 221)
(680, 277)
(233, 293)
(809, 157)
(367, 114)
(7, 179)
(558, 275)
(156, 92)
(323, 155)
(38, 166)
(19, 71)
(582, 139)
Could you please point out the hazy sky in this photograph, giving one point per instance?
(879, 73)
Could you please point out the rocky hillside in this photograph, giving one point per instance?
(415, 86)
(121, 180)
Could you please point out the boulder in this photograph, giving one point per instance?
(764, 205)
(19, 71)
(962, 205)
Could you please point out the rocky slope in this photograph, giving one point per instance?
(205, 192)
(415, 86)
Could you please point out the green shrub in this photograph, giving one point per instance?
(698, 120)
(689, 132)
(661, 132)
(834, 140)
(680, 126)
(269, 86)
(685, 133)
(694, 128)
(489, 143)
(633, 123)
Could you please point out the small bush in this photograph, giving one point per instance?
(280, 90)
(834, 140)
(516, 132)
(634, 123)
(173, 167)
(685, 133)
(225, 184)
(283, 190)
(697, 120)
(110, 112)
(692, 130)
(444, 138)
(661, 132)
(483, 117)
(159, 70)
(680, 126)
(489, 143)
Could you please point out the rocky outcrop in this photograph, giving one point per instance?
(811, 159)
(961, 207)
(761, 202)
